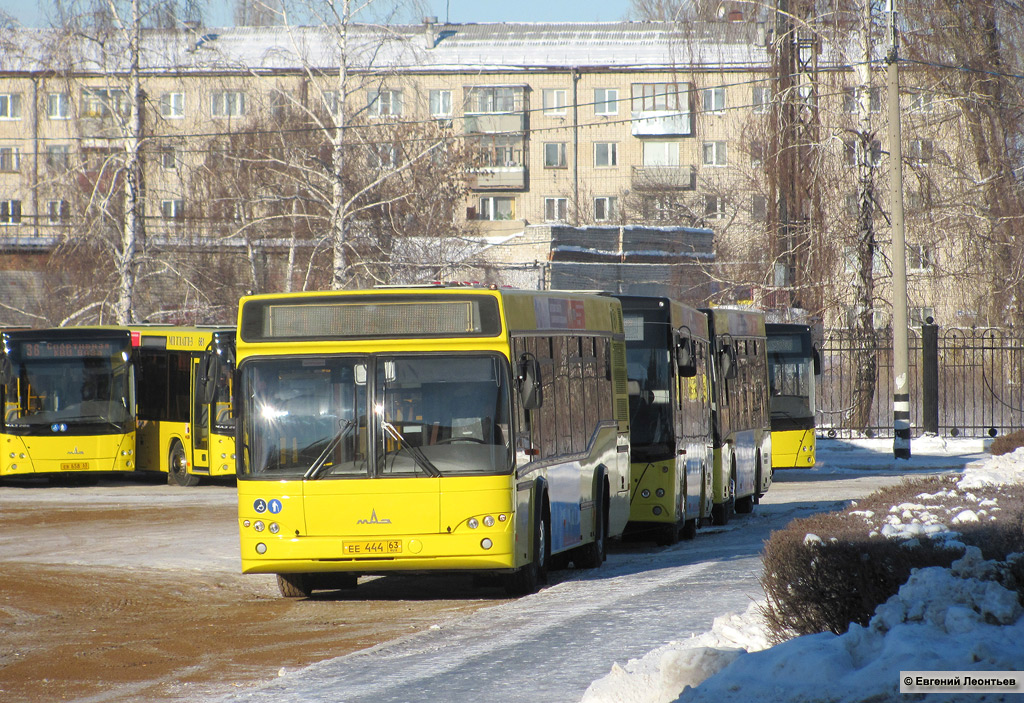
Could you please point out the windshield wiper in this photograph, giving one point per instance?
(415, 452)
(316, 469)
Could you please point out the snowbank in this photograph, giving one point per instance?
(942, 619)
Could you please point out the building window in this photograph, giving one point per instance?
(58, 157)
(383, 156)
(227, 103)
(758, 208)
(853, 148)
(496, 208)
(851, 99)
(660, 97)
(10, 158)
(606, 101)
(605, 208)
(172, 209)
(499, 150)
(168, 157)
(10, 212)
(554, 101)
(10, 106)
(760, 99)
(756, 153)
(919, 257)
(922, 101)
(58, 106)
(661, 153)
(714, 207)
(104, 102)
(556, 209)
(606, 154)
(440, 103)
(714, 153)
(714, 99)
(57, 211)
(384, 103)
(491, 99)
(172, 105)
(921, 150)
(554, 155)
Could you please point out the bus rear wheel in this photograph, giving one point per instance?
(177, 467)
(722, 512)
(592, 555)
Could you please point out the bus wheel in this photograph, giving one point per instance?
(668, 535)
(721, 512)
(745, 504)
(529, 578)
(690, 529)
(177, 467)
(592, 555)
(295, 585)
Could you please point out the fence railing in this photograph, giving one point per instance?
(963, 382)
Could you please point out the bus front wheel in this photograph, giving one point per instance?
(295, 585)
(530, 577)
(177, 467)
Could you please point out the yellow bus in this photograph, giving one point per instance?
(78, 401)
(740, 418)
(438, 428)
(793, 365)
(669, 367)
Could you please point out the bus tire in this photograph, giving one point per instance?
(745, 505)
(593, 554)
(722, 512)
(668, 535)
(530, 577)
(690, 529)
(177, 467)
(295, 585)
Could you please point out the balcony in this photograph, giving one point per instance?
(498, 178)
(494, 122)
(658, 123)
(664, 178)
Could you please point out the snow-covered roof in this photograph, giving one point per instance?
(425, 47)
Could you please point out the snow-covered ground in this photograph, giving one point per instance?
(956, 619)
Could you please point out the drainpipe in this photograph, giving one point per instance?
(575, 145)
(35, 159)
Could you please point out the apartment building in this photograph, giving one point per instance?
(602, 124)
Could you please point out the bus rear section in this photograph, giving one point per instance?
(793, 367)
(391, 431)
(68, 402)
(740, 414)
(668, 357)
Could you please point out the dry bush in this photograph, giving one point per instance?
(824, 586)
(1006, 443)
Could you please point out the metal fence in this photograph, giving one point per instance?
(963, 382)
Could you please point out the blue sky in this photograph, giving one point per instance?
(28, 12)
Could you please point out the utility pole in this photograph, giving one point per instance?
(900, 363)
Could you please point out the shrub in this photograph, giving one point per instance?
(1006, 443)
(827, 571)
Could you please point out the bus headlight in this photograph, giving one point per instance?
(657, 510)
(261, 548)
(486, 543)
(473, 523)
(645, 493)
(258, 526)
(502, 517)
(488, 521)
(660, 493)
(274, 528)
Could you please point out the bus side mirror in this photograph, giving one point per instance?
(686, 360)
(816, 359)
(530, 383)
(209, 372)
(727, 362)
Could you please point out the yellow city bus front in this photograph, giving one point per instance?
(375, 525)
(793, 449)
(65, 454)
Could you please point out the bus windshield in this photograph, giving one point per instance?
(433, 415)
(647, 359)
(791, 378)
(81, 394)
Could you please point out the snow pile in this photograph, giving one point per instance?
(660, 675)
(960, 618)
(957, 619)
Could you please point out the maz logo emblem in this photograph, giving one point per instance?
(374, 520)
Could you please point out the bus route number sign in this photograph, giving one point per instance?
(372, 547)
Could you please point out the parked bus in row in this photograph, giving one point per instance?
(793, 365)
(669, 366)
(459, 429)
(741, 427)
(79, 401)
